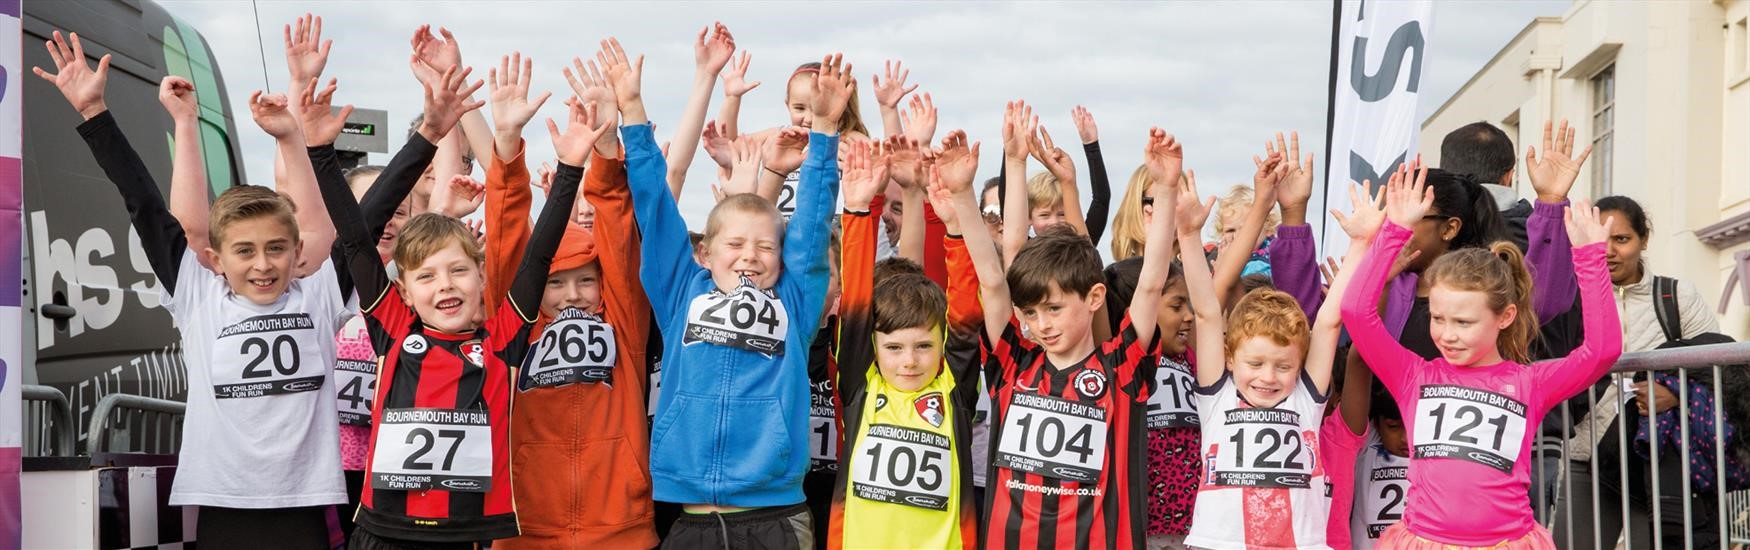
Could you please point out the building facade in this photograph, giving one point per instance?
(1662, 92)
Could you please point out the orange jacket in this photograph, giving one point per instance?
(581, 452)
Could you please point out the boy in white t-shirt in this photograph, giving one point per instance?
(260, 452)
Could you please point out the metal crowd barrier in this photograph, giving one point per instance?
(1732, 508)
(143, 425)
(48, 421)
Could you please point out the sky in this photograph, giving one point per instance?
(1223, 77)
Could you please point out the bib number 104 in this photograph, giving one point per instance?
(1048, 437)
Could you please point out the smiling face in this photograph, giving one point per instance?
(745, 244)
(1063, 322)
(1264, 371)
(1463, 326)
(579, 287)
(1047, 216)
(909, 358)
(445, 289)
(1622, 252)
(801, 94)
(257, 257)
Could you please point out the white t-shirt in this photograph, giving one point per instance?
(1382, 480)
(261, 429)
(1261, 468)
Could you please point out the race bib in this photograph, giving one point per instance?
(903, 466)
(1170, 405)
(1260, 447)
(444, 449)
(823, 430)
(358, 388)
(787, 194)
(263, 356)
(575, 347)
(1383, 501)
(655, 388)
(749, 318)
(1054, 438)
(1469, 424)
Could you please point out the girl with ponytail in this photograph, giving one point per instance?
(1472, 410)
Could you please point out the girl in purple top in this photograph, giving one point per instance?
(1471, 412)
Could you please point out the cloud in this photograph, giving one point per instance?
(1222, 76)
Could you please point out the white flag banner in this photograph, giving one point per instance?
(1377, 71)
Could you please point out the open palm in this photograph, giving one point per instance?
(511, 108)
(1553, 174)
(82, 86)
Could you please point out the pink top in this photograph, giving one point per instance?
(353, 342)
(1338, 451)
(1470, 428)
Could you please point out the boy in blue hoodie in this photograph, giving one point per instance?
(730, 438)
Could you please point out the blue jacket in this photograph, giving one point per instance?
(731, 425)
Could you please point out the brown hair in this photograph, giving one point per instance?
(1057, 256)
(248, 202)
(1271, 314)
(1498, 272)
(851, 120)
(896, 266)
(909, 300)
(426, 234)
(747, 203)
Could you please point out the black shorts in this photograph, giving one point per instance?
(363, 540)
(305, 527)
(780, 528)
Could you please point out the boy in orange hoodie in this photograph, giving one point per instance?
(578, 431)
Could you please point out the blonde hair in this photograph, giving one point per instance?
(1233, 206)
(747, 203)
(1043, 190)
(1499, 273)
(1129, 233)
(1270, 314)
(248, 202)
(427, 234)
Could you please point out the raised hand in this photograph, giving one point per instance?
(719, 148)
(1553, 174)
(446, 101)
(437, 55)
(1585, 225)
(581, 132)
(942, 201)
(478, 228)
(920, 121)
(321, 124)
(1018, 127)
(906, 162)
(511, 108)
(711, 55)
(1188, 211)
(82, 86)
(865, 174)
(888, 92)
(306, 51)
(1055, 160)
(272, 114)
(544, 178)
(625, 76)
(1368, 215)
(832, 90)
(783, 153)
(957, 162)
(1408, 199)
(590, 86)
(1085, 124)
(458, 198)
(735, 82)
(177, 95)
(1295, 189)
(1271, 170)
(1165, 158)
(744, 173)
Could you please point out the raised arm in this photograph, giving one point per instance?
(951, 190)
(1164, 156)
(1361, 225)
(1602, 342)
(1211, 333)
(817, 190)
(1059, 164)
(912, 226)
(888, 94)
(508, 195)
(188, 172)
(352, 241)
(709, 58)
(865, 176)
(316, 231)
(1230, 263)
(1101, 188)
(1406, 202)
(1548, 255)
(1294, 259)
(735, 85)
(446, 100)
(1357, 400)
(1018, 124)
(571, 147)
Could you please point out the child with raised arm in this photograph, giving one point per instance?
(908, 404)
(731, 431)
(1261, 383)
(260, 453)
(1067, 468)
(1474, 407)
(581, 388)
